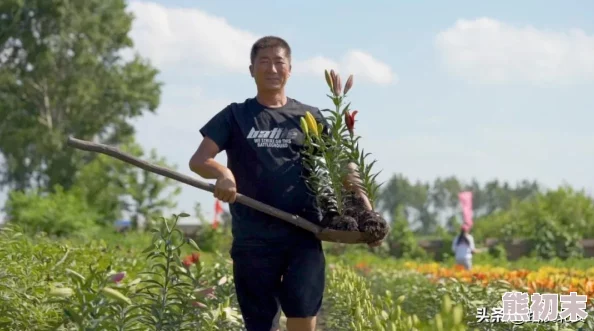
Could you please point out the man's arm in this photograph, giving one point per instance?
(217, 135)
(203, 161)
(352, 182)
(204, 164)
(472, 247)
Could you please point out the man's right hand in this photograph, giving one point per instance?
(225, 189)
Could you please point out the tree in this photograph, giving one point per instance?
(111, 186)
(149, 193)
(430, 205)
(101, 184)
(554, 221)
(499, 196)
(401, 240)
(61, 74)
(445, 192)
(396, 193)
(198, 213)
(414, 200)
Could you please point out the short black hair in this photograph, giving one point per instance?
(269, 42)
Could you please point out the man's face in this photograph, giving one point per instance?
(271, 69)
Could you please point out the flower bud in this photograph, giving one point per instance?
(304, 125)
(63, 292)
(116, 295)
(349, 119)
(328, 80)
(117, 277)
(311, 123)
(348, 85)
(337, 86)
(199, 304)
(207, 292)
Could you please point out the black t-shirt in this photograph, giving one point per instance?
(263, 147)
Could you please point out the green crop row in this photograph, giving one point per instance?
(164, 282)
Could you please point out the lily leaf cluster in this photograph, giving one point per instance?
(334, 157)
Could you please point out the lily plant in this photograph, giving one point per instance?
(334, 157)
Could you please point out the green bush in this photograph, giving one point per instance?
(498, 251)
(59, 213)
(554, 222)
(213, 240)
(401, 240)
(445, 251)
(65, 284)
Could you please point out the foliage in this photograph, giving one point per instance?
(65, 287)
(402, 241)
(59, 213)
(427, 204)
(353, 306)
(331, 156)
(32, 266)
(554, 221)
(498, 251)
(434, 287)
(148, 194)
(212, 237)
(445, 250)
(62, 74)
(102, 190)
(60, 284)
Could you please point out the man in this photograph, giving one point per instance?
(275, 264)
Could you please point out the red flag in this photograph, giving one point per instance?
(466, 203)
(218, 210)
(218, 207)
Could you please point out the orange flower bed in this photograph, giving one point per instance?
(543, 280)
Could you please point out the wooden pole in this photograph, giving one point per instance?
(244, 200)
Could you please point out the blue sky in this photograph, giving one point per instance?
(485, 90)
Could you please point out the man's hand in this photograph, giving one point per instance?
(225, 189)
(365, 199)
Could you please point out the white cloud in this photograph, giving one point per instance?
(489, 51)
(198, 41)
(358, 63)
(183, 36)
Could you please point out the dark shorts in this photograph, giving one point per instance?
(258, 268)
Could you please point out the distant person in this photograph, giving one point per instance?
(463, 247)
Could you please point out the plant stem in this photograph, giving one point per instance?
(168, 243)
(336, 184)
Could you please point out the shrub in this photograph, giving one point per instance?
(402, 241)
(58, 213)
(554, 222)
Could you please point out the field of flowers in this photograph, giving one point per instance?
(545, 279)
(163, 281)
